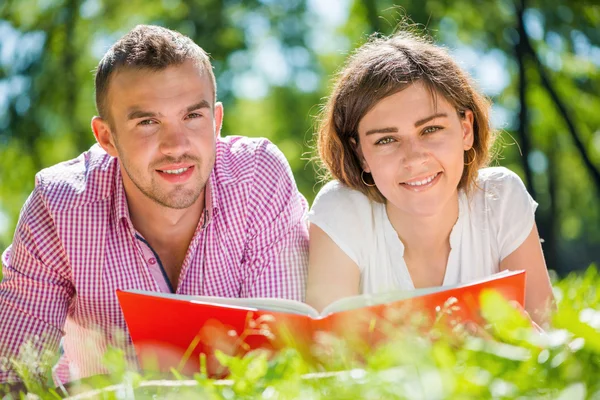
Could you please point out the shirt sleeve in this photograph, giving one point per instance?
(35, 292)
(342, 214)
(275, 261)
(513, 210)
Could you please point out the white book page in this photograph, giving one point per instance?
(260, 303)
(366, 300)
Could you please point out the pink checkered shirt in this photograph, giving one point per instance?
(75, 245)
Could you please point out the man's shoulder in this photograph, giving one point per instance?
(239, 159)
(87, 178)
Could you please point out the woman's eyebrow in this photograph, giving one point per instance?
(427, 119)
(391, 129)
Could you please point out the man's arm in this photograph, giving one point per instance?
(35, 292)
(276, 254)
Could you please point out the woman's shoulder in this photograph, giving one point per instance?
(498, 183)
(347, 216)
(492, 175)
(337, 194)
(504, 202)
(502, 198)
(339, 205)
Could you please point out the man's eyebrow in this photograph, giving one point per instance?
(199, 105)
(136, 112)
(427, 119)
(390, 129)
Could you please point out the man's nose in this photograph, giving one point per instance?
(174, 140)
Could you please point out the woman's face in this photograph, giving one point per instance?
(413, 145)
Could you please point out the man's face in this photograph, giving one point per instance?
(164, 129)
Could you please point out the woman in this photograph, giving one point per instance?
(406, 138)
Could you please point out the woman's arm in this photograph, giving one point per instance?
(332, 275)
(539, 300)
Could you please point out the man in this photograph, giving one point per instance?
(160, 203)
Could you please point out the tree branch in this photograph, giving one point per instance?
(562, 109)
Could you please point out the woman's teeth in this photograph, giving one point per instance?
(423, 182)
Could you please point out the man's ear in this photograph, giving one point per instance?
(218, 118)
(466, 123)
(359, 154)
(103, 136)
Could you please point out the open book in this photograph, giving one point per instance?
(175, 329)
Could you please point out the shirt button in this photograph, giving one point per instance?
(152, 261)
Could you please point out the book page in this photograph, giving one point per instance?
(366, 300)
(259, 303)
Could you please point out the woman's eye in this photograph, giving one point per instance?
(385, 140)
(431, 129)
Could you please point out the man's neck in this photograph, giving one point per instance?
(164, 226)
(425, 235)
(168, 231)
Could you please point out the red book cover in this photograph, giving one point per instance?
(172, 331)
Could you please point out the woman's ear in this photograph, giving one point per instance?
(466, 123)
(359, 154)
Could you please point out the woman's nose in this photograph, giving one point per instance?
(414, 154)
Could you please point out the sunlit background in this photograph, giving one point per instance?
(274, 59)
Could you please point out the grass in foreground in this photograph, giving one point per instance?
(514, 361)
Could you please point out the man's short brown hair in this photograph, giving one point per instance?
(147, 47)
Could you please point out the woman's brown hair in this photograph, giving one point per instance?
(384, 66)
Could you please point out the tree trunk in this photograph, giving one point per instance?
(546, 220)
(562, 109)
(550, 247)
(525, 146)
(72, 15)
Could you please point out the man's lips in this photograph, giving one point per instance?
(174, 167)
(176, 173)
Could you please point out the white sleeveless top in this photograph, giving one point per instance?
(492, 223)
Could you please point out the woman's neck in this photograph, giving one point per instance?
(424, 234)
(426, 242)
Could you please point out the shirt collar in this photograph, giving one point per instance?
(211, 197)
(122, 209)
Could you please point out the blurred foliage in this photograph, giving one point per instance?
(274, 59)
(506, 359)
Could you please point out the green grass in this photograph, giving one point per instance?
(514, 361)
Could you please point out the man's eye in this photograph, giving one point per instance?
(147, 122)
(431, 129)
(194, 115)
(385, 140)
